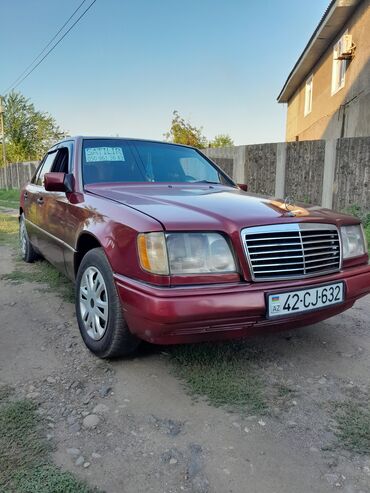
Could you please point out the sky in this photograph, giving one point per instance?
(127, 64)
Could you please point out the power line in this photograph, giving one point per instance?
(45, 48)
(51, 49)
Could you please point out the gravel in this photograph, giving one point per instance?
(91, 421)
(80, 461)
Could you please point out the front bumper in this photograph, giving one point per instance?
(199, 313)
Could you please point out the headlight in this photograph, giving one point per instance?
(199, 253)
(353, 241)
(186, 253)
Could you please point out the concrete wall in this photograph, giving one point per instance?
(334, 173)
(347, 112)
(225, 157)
(305, 170)
(260, 167)
(352, 173)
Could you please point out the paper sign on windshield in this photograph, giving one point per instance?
(95, 154)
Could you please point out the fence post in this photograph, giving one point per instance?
(329, 172)
(239, 165)
(280, 170)
(17, 168)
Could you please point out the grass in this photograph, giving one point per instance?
(284, 391)
(359, 212)
(24, 455)
(8, 229)
(223, 373)
(49, 479)
(19, 443)
(9, 198)
(353, 420)
(5, 392)
(44, 273)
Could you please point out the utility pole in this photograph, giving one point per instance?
(2, 134)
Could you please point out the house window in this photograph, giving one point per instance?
(308, 96)
(339, 68)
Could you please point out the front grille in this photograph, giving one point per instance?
(293, 250)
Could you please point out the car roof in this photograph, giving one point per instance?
(105, 137)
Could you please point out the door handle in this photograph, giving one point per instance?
(40, 200)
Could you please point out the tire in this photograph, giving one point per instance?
(28, 253)
(99, 310)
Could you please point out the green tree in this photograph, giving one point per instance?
(183, 132)
(28, 132)
(222, 140)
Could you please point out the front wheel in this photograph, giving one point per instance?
(98, 309)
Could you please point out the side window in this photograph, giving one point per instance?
(45, 168)
(60, 164)
(38, 169)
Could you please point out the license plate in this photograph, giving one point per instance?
(304, 300)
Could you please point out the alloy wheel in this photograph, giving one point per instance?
(94, 303)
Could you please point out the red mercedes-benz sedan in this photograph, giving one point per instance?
(164, 246)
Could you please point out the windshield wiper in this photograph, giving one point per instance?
(206, 181)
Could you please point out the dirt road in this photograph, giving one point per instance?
(129, 426)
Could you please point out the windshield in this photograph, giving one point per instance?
(114, 160)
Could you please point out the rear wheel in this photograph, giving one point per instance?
(28, 253)
(99, 311)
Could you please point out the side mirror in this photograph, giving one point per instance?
(243, 186)
(58, 182)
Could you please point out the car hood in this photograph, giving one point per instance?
(203, 206)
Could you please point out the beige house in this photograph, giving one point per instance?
(328, 90)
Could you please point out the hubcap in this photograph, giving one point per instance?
(94, 303)
(22, 238)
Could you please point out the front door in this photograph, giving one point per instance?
(33, 200)
(52, 215)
